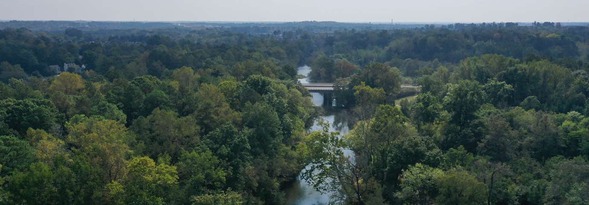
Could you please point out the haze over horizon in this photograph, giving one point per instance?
(301, 10)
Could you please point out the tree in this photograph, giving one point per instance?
(8, 71)
(500, 94)
(485, 67)
(344, 68)
(43, 183)
(109, 111)
(457, 157)
(102, 143)
(230, 89)
(68, 84)
(128, 97)
(543, 141)
(417, 184)
(387, 144)
(575, 134)
(165, 133)
(47, 147)
(66, 92)
(15, 154)
(200, 173)
(33, 186)
(148, 183)
(224, 198)
(331, 170)
(568, 181)
(462, 101)
(435, 83)
(531, 102)
(21, 115)
(266, 134)
(232, 147)
(499, 142)
(323, 69)
(186, 78)
(155, 99)
(427, 108)
(460, 187)
(3, 193)
(377, 75)
(367, 99)
(212, 109)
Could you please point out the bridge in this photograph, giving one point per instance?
(321, 87)
(318, 87)
(326, 90)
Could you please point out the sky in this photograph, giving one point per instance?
(385, 11)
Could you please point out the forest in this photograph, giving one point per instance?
(196, 114)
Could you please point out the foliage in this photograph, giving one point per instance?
(418, 184)
(200, 173)
(102, 143)
(332, 171)
(149, 183)
(20, 115)
(165, 133)
(459, 187)
(16, 153)
(500, 115)
(227, 198)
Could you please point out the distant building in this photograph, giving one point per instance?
(67, 67)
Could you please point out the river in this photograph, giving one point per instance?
(301, 192)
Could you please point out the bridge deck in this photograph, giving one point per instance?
(329, 86)
(318, 86)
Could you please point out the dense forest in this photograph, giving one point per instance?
(215, 114)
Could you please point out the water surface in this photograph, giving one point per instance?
(301, 192)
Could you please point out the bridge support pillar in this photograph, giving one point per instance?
(328, 99)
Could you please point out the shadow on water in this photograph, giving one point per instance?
(300, 191)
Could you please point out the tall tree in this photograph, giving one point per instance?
(200, 173)
(212, 109)
(147, 182)
(378, 75)
(68, 84)
(418, 184)
(102, 143)
(20, 115)
(462, 101)
(460, 187)
(165, 133)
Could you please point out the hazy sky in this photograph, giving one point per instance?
(298, 10)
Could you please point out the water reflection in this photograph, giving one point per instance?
(317, 99)
(301, 191)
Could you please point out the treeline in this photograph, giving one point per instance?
(181, 116)
(412, 50)
(132, 53)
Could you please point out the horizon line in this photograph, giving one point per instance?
(303, 21)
